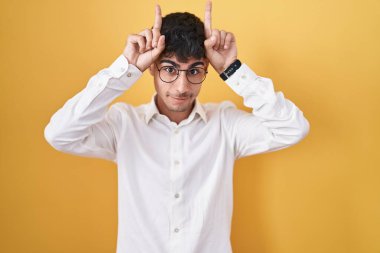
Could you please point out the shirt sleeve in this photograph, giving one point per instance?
(84, 125)
(274, 123)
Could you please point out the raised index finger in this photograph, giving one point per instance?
(158, 18)
(208, 19)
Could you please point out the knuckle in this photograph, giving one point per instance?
(141, 39)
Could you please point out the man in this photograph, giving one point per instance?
(175, 156)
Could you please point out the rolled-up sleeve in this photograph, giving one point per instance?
(85, 125)
(274, 123)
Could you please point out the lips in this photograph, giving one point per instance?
(179, 98)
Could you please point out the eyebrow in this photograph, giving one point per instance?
(177, 65)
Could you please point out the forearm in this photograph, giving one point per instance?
(71, 123)
(281, 117)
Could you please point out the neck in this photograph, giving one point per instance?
(174, 116)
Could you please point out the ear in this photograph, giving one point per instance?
(207, 62)
(151, 69)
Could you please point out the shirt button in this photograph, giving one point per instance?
(176, 195)
(176, 162)
(176, 131)
(129, 74)
(237, 83)
(176, 230)
(243, 76)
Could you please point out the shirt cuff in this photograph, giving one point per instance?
(243, 77)
(122, 74)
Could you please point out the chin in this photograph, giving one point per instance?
(179, 108)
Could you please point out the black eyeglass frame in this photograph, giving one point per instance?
(179, 70)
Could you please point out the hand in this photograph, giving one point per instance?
(220, 46)
(144, 48)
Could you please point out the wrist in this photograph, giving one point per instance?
(230, 70)
(221, 69)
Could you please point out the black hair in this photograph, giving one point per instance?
(184, 36)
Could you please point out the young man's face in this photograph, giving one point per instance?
(179, 95)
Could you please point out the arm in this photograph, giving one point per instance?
(83, 126)
(275, 122)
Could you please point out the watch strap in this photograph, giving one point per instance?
(230, 70)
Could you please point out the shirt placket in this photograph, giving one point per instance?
(176, 190)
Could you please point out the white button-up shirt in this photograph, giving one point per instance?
(175, 192)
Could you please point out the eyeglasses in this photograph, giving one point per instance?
(169, 74)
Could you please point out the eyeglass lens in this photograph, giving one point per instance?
(194, 75)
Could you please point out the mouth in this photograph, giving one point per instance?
(179, 100)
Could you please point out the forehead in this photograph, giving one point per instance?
(190, 61)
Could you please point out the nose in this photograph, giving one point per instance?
(181, 84)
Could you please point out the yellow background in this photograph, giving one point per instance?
(320, 196)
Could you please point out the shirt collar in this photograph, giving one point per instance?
(153, 110)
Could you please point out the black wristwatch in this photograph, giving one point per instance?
(230, 70)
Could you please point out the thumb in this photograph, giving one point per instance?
(210, 42)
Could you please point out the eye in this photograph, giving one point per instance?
(194, 71)
(170, 70)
